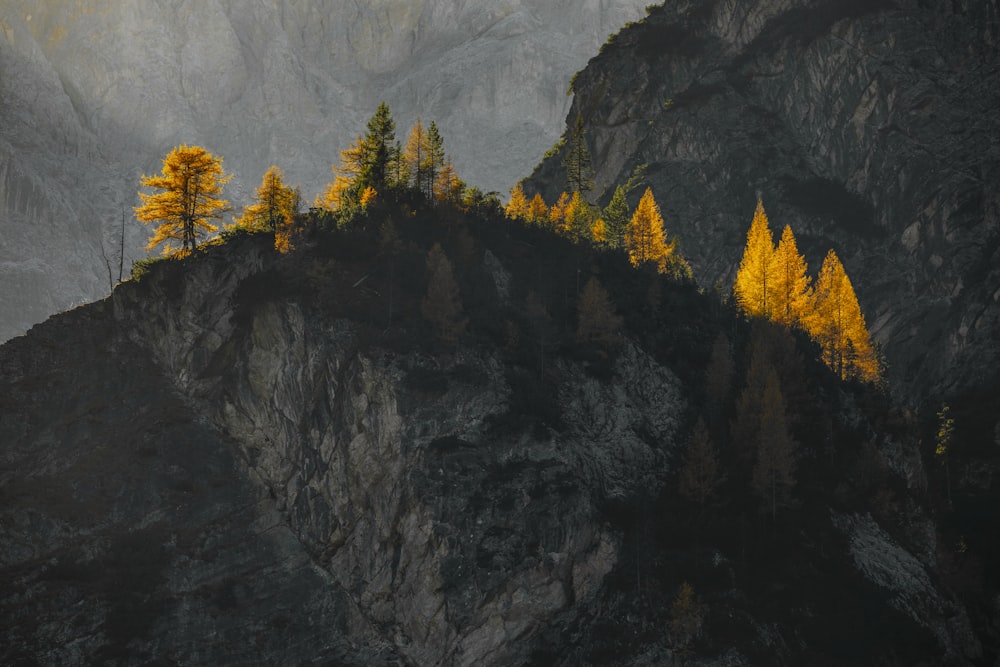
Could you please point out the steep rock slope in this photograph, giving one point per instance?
(95, 93)
(868, 127)
(236, 459)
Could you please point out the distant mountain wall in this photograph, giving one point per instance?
(93, 94)
(869, 127)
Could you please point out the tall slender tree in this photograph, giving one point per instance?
(517, 207)
(191, 187)
(756, 276)
(435, 158)
(774, 468)
(616, 218)
(579, 175)
(645, 239)
(791, 283)
(835, 322)
(378, 151)
(442, 305)
(415, 154)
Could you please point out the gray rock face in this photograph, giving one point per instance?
(94, 95)
(868, 127)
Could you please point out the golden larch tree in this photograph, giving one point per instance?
(517, 207)
(756, 276)
(415, 154)
(644, 238)
(339, 192)
(791, 298)
(836, 323)
(597, 321)
(578, 219)
(442, 305)
(191, 187)
(538, 212)
(274, 204)
(557, 214)
(448, 187)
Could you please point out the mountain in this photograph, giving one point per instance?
(869, 127)
(244, 456)
(94, 94)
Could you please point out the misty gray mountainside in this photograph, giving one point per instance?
(95, 93)
(869, 127)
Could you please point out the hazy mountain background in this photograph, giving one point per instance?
(93, 94)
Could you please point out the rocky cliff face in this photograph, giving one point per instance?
(866, 126)
(219, 464)
(95, 93)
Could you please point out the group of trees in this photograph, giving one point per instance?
(377, 165)
(773, 283)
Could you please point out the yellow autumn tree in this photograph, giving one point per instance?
(338, 193)
(578, 219)
(791, 283)
(191, 187)
(755, 279)
(448, 187)
(644, 238)
(557, 214)
(538, 212)
(415, 154)
(836, 323)
(517, 207)
(274, 204)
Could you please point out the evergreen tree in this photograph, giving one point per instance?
(836, 323)
(579, 175)
(442, 305)
(435, 158)
(645, 239)
(774, 469)
(699, 473)
(616, 218)
(517, 207)
(578, 220)
(377, 151)
(791, 295)
(597, 321)
(191, 182)
(757, 275)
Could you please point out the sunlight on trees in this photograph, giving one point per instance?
(791, 284)
(517, 207)
(756, 276)
(191, 182)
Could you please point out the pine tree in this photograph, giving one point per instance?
(774, 469)
(191, 182)
(791, 285)
(579, 175)
(377, 151)
(756, 276)
(719, 375)
(597, 321)
(645, 239)
(538, 212)
(442, 305)
(435, 158)
(517, 207)
(836, 323)
(699, 474)
(616, 217)
(274, 204)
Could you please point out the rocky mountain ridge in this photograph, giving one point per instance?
(235, 458)
(95, 94)
(866, 126)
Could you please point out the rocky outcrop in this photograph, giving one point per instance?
(866, 126)
(95, 94)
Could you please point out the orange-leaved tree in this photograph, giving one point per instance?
(517, 207)
(791, 284)
(644, 238)
(191, 183)
(755, 279)
(538, 212)
(274, 205)
(835, 322)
